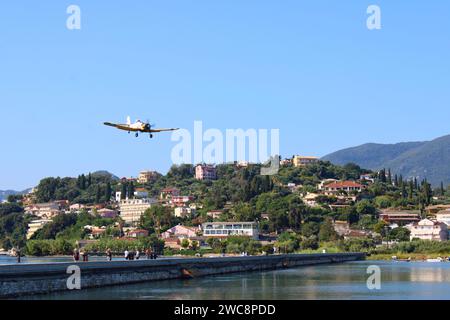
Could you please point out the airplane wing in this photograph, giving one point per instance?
(162, 130)
(111, 124)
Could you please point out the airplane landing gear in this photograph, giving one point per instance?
(137, 135)
(151, 136)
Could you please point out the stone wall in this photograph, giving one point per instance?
(20, 280)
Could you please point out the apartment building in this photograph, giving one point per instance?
(147, 176)
(301, 161)
(429, 230)
(205, 172)
(226, 229)
(131, 210)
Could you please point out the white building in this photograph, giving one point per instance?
(429, 230)
(226, 229)
(443, 216)
(182, 212)
(35, 225)
(131, 210)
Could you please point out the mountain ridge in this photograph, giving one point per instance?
(421, 159)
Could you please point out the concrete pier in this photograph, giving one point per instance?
(29, 279)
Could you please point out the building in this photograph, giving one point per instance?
(141, 193)
(310, 199)
(131, 210)
(138, 233)
(181, 201)
(226, 229)
(341, 227)
(35, 225)
(286, 162)
(366, 177)
(182, 212)
(342, 186)
(443, 216)
(431, 210)
(429, 230)
(301, 161)
(169, 193)
(215, 214)
(205, 172)
(400, 218)
(77, 207)
(147, 176)
(44, 210)
(180, 231)
(107, 213)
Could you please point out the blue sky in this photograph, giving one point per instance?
(310, 68)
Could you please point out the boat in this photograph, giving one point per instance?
(439, 259)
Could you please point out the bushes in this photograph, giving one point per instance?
(41, 248)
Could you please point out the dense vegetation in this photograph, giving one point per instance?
(242, 194)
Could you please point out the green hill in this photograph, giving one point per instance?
(429, 159)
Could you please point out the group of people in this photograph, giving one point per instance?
(83, 254)
(128, 255)
(135, 255)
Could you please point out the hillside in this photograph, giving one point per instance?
(429, 159)
(4, 194)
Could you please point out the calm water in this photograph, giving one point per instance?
(400, 280)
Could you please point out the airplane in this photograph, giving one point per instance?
(138, 127)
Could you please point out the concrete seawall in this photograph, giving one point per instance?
(20, 280)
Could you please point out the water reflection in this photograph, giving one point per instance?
(340, 281)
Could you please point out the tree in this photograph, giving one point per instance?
(108, 191)
(131, 190)
(185, 243)
(123, 192)
(98, 194)
(327, 232)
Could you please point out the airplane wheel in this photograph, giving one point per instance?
(151, 136)
(137, 135)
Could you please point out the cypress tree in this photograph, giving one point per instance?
(123, 191)
(389, 177)
(98, 195)
(108, 192)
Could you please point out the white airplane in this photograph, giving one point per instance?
(138, 126)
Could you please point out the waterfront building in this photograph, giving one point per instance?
(205, 172)
(131, 210)
(226, 229)
(181, 231)
(301, 161)
(429, 230)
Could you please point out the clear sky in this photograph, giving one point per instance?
(310, 68)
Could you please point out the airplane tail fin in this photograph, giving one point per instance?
(128, 120)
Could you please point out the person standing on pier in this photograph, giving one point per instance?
(109, 254)
(138, 254)
(76, 255)
(126, 254)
